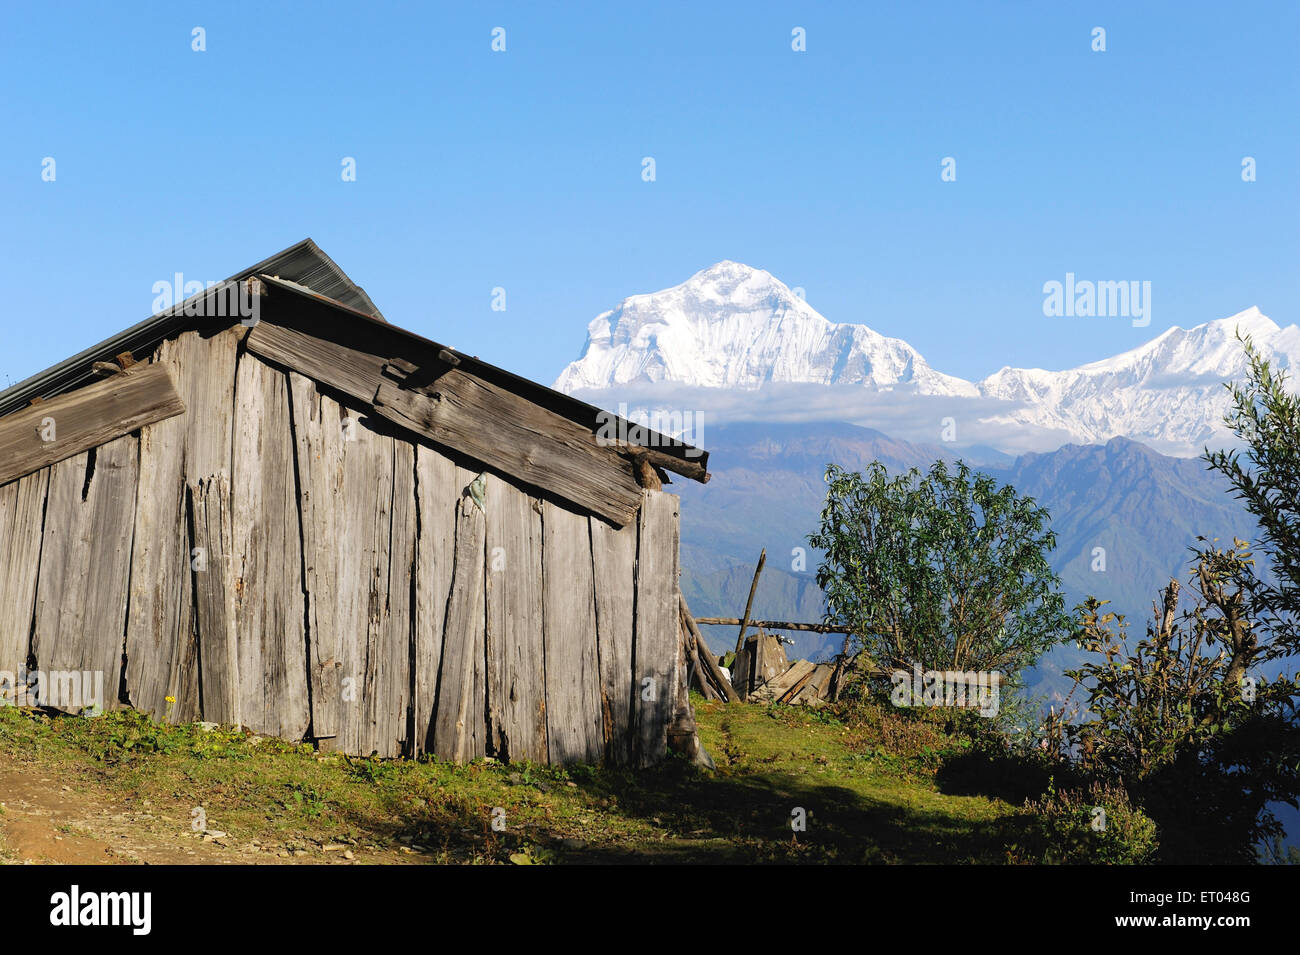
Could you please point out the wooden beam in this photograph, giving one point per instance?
(771, 624)
(706, 656)
(689, 469)
(522, 441)
(525, 443)
(749, 604)
(84, 419)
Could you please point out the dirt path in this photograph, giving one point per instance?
(45, 820)
(70, 818)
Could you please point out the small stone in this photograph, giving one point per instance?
(333, 847)
(349, 854)
(299, 853)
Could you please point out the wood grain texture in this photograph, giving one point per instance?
(613, 553)
(359, 535)
(161, 651)
(516, 672)
(318, 446)
(655, 663)
(81, 596)
(267, 558)
(84, 419)
(22, 514)
(437, 497)
(521, 440)
(460, 732)
(214, 597)
(574, 725)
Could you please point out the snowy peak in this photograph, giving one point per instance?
(741, 331)
(735, 326)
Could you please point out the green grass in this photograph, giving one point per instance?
(867, 780)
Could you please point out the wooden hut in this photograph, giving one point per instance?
(293, 516)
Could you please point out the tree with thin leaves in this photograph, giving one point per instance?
(944, 569)
(1265, 474)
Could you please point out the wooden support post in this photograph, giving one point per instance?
(749, 604)
(707, 658)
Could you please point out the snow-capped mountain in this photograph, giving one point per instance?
(735, 329)
(732, 326)
(1167, 393)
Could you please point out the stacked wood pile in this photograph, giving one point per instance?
(760, 672)
(326, 528)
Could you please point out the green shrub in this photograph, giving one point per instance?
(1096, 826)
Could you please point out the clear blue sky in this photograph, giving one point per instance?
(523, 169)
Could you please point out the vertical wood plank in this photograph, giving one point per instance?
(437, 496)
(81, 596)
(655, 654)
(459, 729)
(516, 672)
(214, 598)
(319, 439)
(574, 728)
(269, 610)
(359, 538)
(392, 647)
(161, 654)
(614, 564)
(22, 513)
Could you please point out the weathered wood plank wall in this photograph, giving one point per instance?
(516, 681)
(574, 729)
(22, 515)
(214, 597)
(160, 646)
(655, 656)
(269, 608)
(81, 596)
(276, 558)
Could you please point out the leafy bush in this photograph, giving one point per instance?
(945, 569)
(1096, 826)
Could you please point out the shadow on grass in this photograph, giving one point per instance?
(683, 815)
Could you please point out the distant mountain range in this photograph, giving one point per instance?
(736, 342)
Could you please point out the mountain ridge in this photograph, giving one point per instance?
(741, 332)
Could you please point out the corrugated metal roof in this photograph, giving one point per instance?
(303, 263)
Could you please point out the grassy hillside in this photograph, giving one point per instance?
(877, 786)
